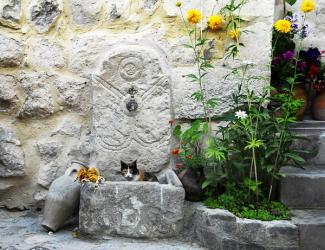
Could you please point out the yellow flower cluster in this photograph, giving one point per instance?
(91, 174)
(194, 16)
(215, 22)
(307, 6)
(282, 26)
(234, 34)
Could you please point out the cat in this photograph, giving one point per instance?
(131, 172)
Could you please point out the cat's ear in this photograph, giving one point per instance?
(123, 165)
(134, 164)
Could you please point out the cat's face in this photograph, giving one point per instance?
(129, 170)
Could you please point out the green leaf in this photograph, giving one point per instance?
(206, 183)
(198, 96)
(295, 157)
(291, 2)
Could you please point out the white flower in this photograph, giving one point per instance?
(248, 63)
(241, 114)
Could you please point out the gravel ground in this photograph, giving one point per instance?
(22, 231)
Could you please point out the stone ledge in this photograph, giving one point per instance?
(220, 229)
(131, 209)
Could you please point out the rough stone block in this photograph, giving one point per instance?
(303, 188)
(11, 52)
(8, 95)
(10, 13)
(220, 229)
(12, 157)
(131, 209)
(44, 13)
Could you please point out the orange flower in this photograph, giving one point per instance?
(175, 151)
(189, 157)
(82, 174)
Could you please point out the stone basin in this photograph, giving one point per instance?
(131, 209)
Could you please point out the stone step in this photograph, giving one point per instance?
(303, 188)
(313, 133)
(311, 224)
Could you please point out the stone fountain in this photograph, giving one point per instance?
(131, 108)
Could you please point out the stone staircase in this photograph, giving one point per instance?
(303, 190)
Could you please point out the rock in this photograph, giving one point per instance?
(4, 187)
(11, 52)
(84, 13)
(49, 151)
(69, 128)
(143, 135)
(131, 209)
(73, 93)
(168, 176)
(49, 166)
(44, 13)
(40, 195)
(149, 5)
(47, 173)
(220, 229)
(44, 53)
(10, 13)
(12, 157)
(39, 101)
(8, 96)
(115, 9)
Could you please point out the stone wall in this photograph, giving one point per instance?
(50, 48)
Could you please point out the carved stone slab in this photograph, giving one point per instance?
(141, 135)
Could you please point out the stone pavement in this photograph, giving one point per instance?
(22, 231)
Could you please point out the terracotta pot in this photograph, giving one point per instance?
(318, 107)
(192, 180)
(301, 94)
(62, 200)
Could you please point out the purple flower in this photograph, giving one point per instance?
(301, 65)
(304, 31)
(288, 55)
(276, 60)
(294, 23)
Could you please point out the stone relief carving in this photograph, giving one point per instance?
(120, 134)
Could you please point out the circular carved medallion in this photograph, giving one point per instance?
(131, 68)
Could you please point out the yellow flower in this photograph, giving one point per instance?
(234, 34)
(215, 22)
(282, 26)
(307, 6)
(194, 16)
(178, 4)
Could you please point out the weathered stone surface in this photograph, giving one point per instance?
(68, 127)
(308, 191)
(8, 96)
(311, 224)
(44, 13)
(39, 101)
(313, 134)
(74, 93)
(10, 13)
(131, 209)
(49, 166)
(12, 157)
(123, 135)
(46, 54)
(11, 52)
(84, 13)
(220, 229)
(115, 9)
